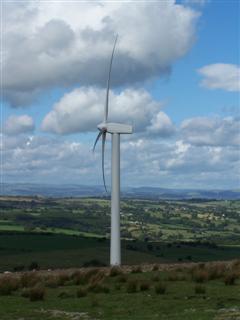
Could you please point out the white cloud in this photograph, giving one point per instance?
(161, 125)
(52, 44)
(18, 124)
(144, 161)
(82, 109)
(221, 76)
(212, 131)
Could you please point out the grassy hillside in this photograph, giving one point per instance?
(173, 292)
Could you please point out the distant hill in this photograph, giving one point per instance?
(72, 190)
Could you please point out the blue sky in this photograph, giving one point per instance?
(47, 128)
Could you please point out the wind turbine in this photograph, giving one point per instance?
(115, 129)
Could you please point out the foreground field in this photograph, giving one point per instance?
(171, 292)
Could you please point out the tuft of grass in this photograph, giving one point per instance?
(25, 293)
(64, 295)
(82, 292)
(37, 293)
(200, 289)
(230, 279)
(137, 269)
(216, 271)
(115, 271)
(144, 286)
(8, 284)
(200, 276)
(62, 278)
(98, 288)
(160, 288)
(29, 279)
(155, 267)
(117, 286)
(97, 278)
(78, 277)
(132, 286)
(174, 276)
(122, 278)
(90, 273)
(155, 278)
(51, 282)
(94, 302)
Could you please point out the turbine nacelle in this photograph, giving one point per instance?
(112, 127)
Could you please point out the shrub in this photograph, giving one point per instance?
(160, 288)
(200, 289)
(81, 292)
(132, 286)
(8, 284)
(137, 269)
(37, 293)
(230, 279)
(115, 271)
(29, 279)
(144, 286)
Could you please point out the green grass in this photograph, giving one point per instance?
(178, 303)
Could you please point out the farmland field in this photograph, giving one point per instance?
(71, 232)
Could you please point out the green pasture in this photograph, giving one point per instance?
(179, 302)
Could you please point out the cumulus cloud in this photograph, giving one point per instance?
(221, 76)
(161, 125)
(37, 158)
(82, 109)
(18, 124)
(52, 44)
(212, 131)
(174, 163)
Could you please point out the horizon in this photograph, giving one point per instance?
(123, 187)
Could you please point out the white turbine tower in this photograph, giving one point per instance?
(115, 129)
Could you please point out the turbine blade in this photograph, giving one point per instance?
(96, 141)
(103, 153)
(108, 82)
